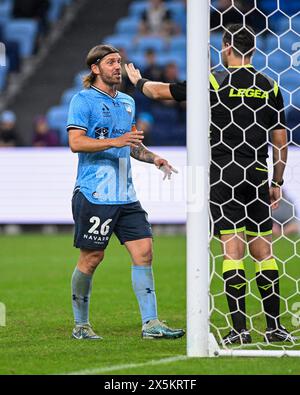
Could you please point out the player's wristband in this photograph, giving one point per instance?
(140, 84)
(276, 184)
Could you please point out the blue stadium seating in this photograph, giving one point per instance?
(259, 60)
(3, 77)
(290, 80)
(5, 11)
(177, 8)
(272, 43)
(164, 59)
(178, 43)
(119, 41)
(138, 58)
(24, 31)
(216, 41)
(287, 40)
(55, 10)
(78, 78)
(57, 119)
(136, 8)
(295, 24)
(68, 95)
(128, 25)
(279, 61)
(156, 43)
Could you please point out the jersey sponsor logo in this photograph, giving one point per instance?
(249, 92)
(105, 111)
(101, 133)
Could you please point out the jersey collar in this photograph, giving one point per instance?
(104, 93)
(247, 66)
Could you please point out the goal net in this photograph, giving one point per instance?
(244, 286)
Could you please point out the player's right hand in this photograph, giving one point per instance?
(132, 139)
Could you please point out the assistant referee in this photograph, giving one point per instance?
(246, 108)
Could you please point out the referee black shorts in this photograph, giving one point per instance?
(95, 223)
(239, 200)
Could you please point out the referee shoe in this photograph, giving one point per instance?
(234, 337)
(279, 334)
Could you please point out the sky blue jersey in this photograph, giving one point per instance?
(104, 177)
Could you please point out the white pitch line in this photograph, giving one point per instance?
(128, 366)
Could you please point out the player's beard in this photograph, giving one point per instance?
(111, 80)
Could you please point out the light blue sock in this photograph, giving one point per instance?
(81, 290)
(143, 286)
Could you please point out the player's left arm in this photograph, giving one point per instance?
(280, 150)
(142, 154)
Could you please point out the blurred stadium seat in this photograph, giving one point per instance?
(128, 25)
(3, 77)
(5, 11)
(68, 94)
(119, 41)
(156, 43)
(24, 31)
(57, 119)
(136, 8)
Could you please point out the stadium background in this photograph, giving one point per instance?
(44, 63)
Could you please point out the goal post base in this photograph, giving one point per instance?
(216, 351)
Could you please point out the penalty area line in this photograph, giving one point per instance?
(127, 366)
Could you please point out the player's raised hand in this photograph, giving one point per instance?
(165, 167)
(133, 74)
(132, 139)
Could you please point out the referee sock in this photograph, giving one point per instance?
(267, 280)
(235, 287)
(143, 286)
(81, 290)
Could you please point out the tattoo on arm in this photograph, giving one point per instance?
(142, 154)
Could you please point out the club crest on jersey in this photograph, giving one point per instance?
(128, 108)
(101, 133)
(105, 110)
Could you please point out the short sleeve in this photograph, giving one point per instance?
(278, 121)
(178, 91)
(79, 113)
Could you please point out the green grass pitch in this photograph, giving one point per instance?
(35, 273)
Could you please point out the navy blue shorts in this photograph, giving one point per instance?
(95, 223)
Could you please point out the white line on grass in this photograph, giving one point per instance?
(128, 366)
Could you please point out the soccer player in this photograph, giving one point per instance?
(154, 89)
(104, 201)
(245, 107)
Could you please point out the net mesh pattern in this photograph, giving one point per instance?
(276, 25)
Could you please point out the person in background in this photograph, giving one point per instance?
(8, 134)
(157, 21)
(36, 9)
(152, 70)
(43, 135)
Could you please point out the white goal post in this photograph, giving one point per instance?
(202, 340)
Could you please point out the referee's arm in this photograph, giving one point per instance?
(153, 89)
(279, 137)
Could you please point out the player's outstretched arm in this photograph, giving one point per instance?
(152, 89)
(79, 142)
(142, 154)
